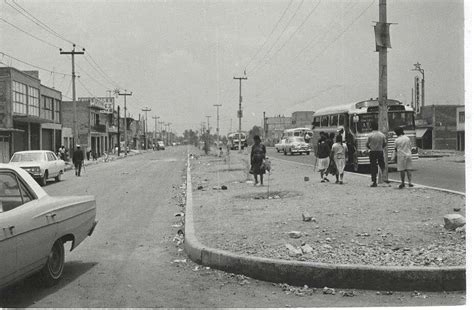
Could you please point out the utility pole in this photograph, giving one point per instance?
(422, 71)
(217, 129)
(155, 118)
(264, 133)
(169, 133)
(161, 130)
(74, 117)
(125, 94)
(383, 42)
(239, 112)
(208, 116)
(146, 109)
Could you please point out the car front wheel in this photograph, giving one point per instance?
(54, 267)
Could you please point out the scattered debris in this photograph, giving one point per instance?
(453, 221)
(199, 187)
(223, 187)
(179, 214)
(348, 294)
(307, 249)
(329, 291)
(306, 179)
(293, 251)
(306, 217)
(457, 209)
(179, 261)
(298, 291)
(295, 234)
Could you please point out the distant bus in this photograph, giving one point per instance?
(233, 140)
(356, 119)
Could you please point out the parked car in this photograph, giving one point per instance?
(42, 165)
(296, 145)
(280, 145)
(161, 145)
(35, 226)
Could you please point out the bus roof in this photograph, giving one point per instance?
(297, 129)
(357, 107)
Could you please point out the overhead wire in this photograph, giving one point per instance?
(34, 66)
(264, 62)
(26, 32)
(271, 33)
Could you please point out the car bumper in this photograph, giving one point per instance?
(92, 228)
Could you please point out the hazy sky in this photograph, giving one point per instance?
(180, 57)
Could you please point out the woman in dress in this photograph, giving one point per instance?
(257, 156)
(338, 154)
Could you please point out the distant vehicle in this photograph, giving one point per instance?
(298, 132)
(42, 165)
(280, 146)
(233, 139)
(36, 226)
(160, 145)
(295, 145)
(356, 119)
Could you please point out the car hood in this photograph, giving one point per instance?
(26, 163)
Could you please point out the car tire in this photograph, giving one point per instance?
(58, 177)
(284, 152)
(291, 152)
(307, 153)
(54, 267)
(44, 179)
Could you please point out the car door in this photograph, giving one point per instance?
(36, 229)
(52, 164)
(10, 201)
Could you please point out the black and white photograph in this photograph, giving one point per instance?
(235, 153)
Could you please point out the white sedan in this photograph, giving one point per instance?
(42, 165)
(296, 145)
(35, 226)
(280, 145)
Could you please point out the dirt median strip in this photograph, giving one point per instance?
(350, 224)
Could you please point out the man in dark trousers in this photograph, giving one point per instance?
(78, 159)
(376, 143)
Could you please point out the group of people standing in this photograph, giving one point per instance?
(331, 155)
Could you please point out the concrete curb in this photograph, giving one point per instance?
(316, 274)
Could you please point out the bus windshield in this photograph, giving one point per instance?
(402, 119)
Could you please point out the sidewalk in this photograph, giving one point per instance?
(321, 234)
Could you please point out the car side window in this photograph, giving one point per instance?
(10, 194)
(51, 156)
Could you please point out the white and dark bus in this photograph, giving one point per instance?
(356, 119)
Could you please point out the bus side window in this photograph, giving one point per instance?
(334, 120)
(324, 121)
(342, 120)
(317, 121)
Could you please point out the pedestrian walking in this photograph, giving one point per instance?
(323, 157)
(257, 157)
(78, 160)
(339, 155)
(62, 152)
(402, 155)
(376, 143)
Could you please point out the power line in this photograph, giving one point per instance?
(90, 93)
(34, 66)
(35, 20)
(271, 33)
(262, 63)
(92, 78)
(88, 55)
(26, 32)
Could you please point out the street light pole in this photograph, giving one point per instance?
(239, 112)
(146, 109)
(422, 71)
(154, 136)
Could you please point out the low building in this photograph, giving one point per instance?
(30, 113)
(437, 127)
(274, 127)
(302, 119)
(460, 120)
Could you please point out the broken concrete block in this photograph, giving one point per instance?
(453, 221)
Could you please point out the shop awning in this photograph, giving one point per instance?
(420, 132)
(10, 130)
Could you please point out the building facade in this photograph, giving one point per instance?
(460, 121)
(30, 113)
(437, 127)
(302, 119)
(274, 127)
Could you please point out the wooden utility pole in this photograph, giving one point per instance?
(118, 130)
(383, 88)
(74, 117)
(125, 94)
(217, 129)
(239, 112)
(146, 109)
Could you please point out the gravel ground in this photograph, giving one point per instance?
(350, 223)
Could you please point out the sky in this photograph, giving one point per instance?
(179, 58)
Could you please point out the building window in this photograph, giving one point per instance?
(47, 107)
(461, 117)
(19, 97)
(33, 101)
(57, 110)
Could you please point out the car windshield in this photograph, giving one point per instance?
(296, 139)
(27, 157)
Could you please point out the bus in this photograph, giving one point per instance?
(297, 132)
(233, 140)
(356, 119)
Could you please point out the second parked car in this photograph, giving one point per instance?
(41, 165)
(296, 145)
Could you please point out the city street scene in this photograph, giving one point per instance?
(234, 154)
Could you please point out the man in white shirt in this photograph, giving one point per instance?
(402, 154)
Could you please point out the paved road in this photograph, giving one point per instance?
(442, 172)
(130, 259)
